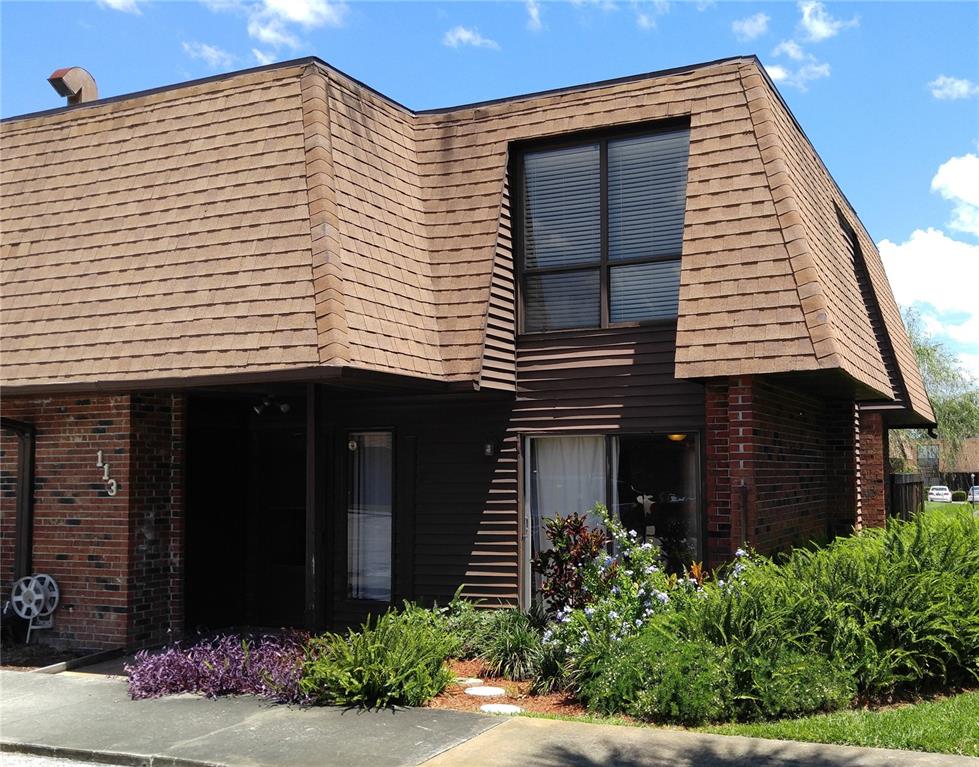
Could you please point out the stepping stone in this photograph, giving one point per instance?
(468, 681)
(486, 692)
(500, 708)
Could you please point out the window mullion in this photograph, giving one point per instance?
(603, 218)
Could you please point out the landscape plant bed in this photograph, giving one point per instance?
(16, 656)
(454, 697)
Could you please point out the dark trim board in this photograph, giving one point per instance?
(24, 519)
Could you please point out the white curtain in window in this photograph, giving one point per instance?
(567, 476)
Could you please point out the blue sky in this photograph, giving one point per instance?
(887, 91)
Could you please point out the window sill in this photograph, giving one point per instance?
(567, 332)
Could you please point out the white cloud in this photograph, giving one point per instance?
(211, 55)
(791, 49)
(459, 36)
(957, 180)
(273, 22)
(818, 24)
(947, 88)
(801, 76)
(271, 32)
(308, 13)
(751, 27)
(646, 12)
(126, 6)
(262, 57)
(970, 362)
(533, 15)
(938, 275)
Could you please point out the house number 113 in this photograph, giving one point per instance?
(111, 486)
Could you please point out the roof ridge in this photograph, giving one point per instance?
(326, 262)
(815, 308)
(306, 61)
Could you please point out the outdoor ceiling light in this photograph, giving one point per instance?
(676, 437)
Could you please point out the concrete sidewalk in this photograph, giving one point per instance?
(80, 715)
(547, 743)
(91, 717)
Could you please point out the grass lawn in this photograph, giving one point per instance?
(949, 725)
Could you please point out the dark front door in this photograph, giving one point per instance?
(245, 512)
(276, 547)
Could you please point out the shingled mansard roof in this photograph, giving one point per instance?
(292, 219)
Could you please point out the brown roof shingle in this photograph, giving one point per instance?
(293, 217)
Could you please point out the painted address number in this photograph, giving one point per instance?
(111, 486)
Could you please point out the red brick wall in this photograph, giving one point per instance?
(156, 519)
(778, 458)
(872, 476)
(84, 537)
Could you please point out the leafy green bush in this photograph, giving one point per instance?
(511, 645)
(898, 608)
(398, 658)
(790, 683)
(469, 624)
(959, 495)
(656, 675)
(867, 615)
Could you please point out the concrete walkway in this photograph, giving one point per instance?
(83, 716)
(79, 715)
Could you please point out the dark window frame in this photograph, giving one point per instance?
(343, 539)
(699, 433)
(602, 137)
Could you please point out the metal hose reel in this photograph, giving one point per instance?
(34, 598)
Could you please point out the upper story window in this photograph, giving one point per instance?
(602, 231)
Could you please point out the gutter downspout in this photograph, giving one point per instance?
(23, 543)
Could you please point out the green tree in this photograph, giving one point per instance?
(954, 395)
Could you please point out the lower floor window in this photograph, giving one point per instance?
(650, 482)
(370, 506)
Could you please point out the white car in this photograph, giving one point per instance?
(939, 493)
(973, 496)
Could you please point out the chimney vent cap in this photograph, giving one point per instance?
(76, 83)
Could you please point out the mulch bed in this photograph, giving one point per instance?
(15, 656)
(518, 693)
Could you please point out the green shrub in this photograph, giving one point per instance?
(898, 608)
(959, 495)
(469, 625)
(511, 645)
(790, 683)
(658, 676)
(398, 658)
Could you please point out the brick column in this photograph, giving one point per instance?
(717, 544)
(156, 519)
(731, 451)
(872, 471)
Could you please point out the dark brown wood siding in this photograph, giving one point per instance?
(463, 505)
(602, 381)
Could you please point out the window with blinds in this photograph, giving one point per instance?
(602, 231)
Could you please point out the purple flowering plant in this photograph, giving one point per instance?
(269, 666)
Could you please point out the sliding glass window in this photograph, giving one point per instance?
(370, 507)
(650, 481)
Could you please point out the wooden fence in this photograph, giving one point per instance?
(907, 495)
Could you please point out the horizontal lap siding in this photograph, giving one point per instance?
(464, 511)
(609, 380)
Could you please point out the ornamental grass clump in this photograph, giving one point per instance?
(395, 659)
(269, 666)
